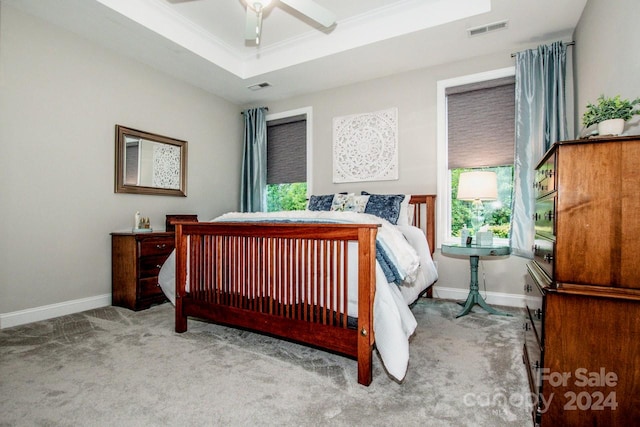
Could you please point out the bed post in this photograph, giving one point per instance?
(366, 293)
(181, 273)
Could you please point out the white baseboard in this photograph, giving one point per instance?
(492, 298)
(16, 318)
(22, 317)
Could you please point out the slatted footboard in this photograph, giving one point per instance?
(286, 280)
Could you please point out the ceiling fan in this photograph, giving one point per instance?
(309, 8)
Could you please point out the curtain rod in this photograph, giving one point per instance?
(266, 108)
(566, 44)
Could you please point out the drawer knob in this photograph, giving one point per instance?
(538, 313)
(161, 246)
(158, 266)
(549, 215)
(526, 326)
(548, 257)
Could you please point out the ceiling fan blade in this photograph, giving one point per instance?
(312, 10)
(252, 25)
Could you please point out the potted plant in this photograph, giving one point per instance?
(610, 114)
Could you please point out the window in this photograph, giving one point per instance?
(478, 115)
(287, 160)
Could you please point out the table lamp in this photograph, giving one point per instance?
(478, 186)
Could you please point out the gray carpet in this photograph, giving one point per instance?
(115, 367)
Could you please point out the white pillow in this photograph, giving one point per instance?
(340, 202)
(349, 203)
(358, 204)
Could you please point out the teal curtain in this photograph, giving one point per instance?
(253, 182)
(540, 121)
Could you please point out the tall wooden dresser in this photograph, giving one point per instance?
(136, 260)
(582, 331)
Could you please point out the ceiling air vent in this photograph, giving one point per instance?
(259, 86)
(484, 29)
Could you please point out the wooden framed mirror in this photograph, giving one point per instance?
(147, 163)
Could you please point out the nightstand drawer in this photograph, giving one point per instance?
(149, 288)
(151, 265)
(156, 246)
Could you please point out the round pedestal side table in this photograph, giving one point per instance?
(474, 252)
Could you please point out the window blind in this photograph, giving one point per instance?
(287, 150)
(481, 123)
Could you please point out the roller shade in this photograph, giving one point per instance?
(481, 123)
(287, 150)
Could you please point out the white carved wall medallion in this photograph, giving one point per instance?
(365, 147)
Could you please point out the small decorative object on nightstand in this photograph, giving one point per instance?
(474, 252)
(136, 259)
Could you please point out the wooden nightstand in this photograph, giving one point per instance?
(136, 259)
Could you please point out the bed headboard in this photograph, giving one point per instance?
(424, 216)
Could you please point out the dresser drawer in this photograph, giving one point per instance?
(543, 254)
(545, 216)
(156, 246)
(535, 280)
(545, 176)
(533, 306)
(533, 361)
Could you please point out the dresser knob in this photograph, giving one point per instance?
(158, 266)
(526, 326)
(538, 313)
(548, 257)
(161, 246)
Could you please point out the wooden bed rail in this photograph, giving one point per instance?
(287, 280)
(425, 205)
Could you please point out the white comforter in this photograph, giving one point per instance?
(394, 322)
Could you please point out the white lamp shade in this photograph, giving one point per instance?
(478, 185)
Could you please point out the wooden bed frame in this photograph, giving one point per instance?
(274, 278)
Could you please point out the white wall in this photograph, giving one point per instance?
(606, 52)
(60, 99)
(414, 94)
